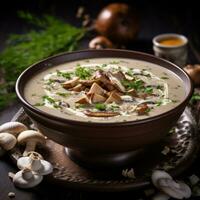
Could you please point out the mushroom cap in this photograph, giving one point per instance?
(31, 135)
(20, 182)
(47, 168)
(159, 174)
(7, 141)
(13, 127)
(164, 182)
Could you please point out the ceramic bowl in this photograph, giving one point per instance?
(103, 144)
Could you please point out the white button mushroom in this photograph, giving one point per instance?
(165, 183)
(30, 138)
(13, 127)
(35, 162)
(26, 179)
(7, 141)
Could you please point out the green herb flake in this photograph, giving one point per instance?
(49, 99)
(39, 104)
(164, 77)
(100, 106)
(114, 62)
(50, 81)
(83, 72)
(66, 75)
(148, 90)
(135, 84)
(62, 94)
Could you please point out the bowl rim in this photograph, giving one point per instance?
(30, 107)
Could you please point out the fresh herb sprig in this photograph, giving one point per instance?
(52, 36)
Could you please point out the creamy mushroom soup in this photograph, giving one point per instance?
(105, 90)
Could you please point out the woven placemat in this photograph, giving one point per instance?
(174, 155)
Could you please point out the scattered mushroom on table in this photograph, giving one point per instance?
(13, 128)
(30, 138)
(26, 178)
(7, 142)
(36, 163)
(165, 183)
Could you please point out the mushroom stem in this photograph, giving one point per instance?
(30, 146)
(27, 174)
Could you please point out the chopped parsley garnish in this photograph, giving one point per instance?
(129, 72)
(39, 104)
(100, 106)
(104, 65)
(135, 84)
(62, 94)
(66, 75)
(114, 107)
(164, 77)
(50, 81)
(114, 62)
(51, 101)
(83, 72)
(148, 90)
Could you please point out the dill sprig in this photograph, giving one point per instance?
(52, 36)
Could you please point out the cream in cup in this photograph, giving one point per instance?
(172, 47)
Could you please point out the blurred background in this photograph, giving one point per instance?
(155, 17)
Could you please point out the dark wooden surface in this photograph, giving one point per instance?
(155, 19)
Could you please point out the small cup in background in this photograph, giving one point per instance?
(172, 47)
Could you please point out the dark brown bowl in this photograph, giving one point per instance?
(103, 144)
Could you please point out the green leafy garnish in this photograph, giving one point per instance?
(50, 81)
(148, 90)
(114, 62)
(83, 72)
(195, 97)
(66, 75)
(135, 84)
(49, 99)
(164, 77)
(39, 104)
(62, 94)
(100, 106)
(50, 37)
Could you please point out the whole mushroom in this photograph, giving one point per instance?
(165, 183)
(30, 138)
(26, 178)
(194, 73)
(13, 127)
(35, 162)
(7, 142)
(118, 22)
(100, 42)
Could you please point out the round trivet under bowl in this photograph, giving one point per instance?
(174, 155)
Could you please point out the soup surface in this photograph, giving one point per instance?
(105, 90)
